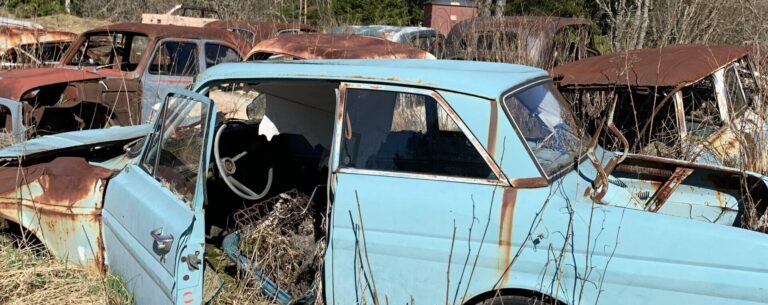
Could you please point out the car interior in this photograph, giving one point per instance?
(283, 143)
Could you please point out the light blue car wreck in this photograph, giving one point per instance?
(445, 182)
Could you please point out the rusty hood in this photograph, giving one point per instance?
(654, 67)
(14, 83)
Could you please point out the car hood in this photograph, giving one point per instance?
(14, 83)
(58, 143)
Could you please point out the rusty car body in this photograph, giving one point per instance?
(539, 41)
(695, 102)
(254, 32)
(112, 75)
(490, 190)
(333, 46)
(424, 38)
(35, 54)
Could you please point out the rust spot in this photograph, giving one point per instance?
(64, 181)
(587, 192)
(526, 183)
(720, 200)
(505, 230)
(492, 125)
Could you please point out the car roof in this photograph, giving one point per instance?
(155, 31)
(336, 46)
(653, 67)
(484, 79)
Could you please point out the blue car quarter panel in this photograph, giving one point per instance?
(153, 208)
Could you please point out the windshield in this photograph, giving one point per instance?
(544, 119)
(124, 50)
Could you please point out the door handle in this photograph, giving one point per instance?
(161, 242)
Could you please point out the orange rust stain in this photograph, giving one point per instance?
(655, 185)
(587, 192)
(505, 230)
(187, 293)
(720, 199)
(492, 125)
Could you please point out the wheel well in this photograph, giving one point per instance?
(511, 292)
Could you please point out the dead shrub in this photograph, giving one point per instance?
(282, 236)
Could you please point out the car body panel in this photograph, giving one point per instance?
(152, 272)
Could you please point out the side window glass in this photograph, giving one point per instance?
(736, 100)
(175, 149)
(216, 54)
(403, 132)
(702, 115)
(748, 82)
(175, 58)
(137, 50)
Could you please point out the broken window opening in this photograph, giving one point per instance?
(111, 49)
(700, 107)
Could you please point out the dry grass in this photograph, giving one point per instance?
(69, 23)
(280, 237)
(29, 275)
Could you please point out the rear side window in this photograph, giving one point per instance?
(404, 132)
(175, 58)
(216, 54)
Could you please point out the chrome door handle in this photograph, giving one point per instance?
(161, 242)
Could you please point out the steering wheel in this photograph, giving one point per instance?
(227, 168)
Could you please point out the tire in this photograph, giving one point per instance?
(519, 300)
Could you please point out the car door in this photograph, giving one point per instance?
(407, 176)
(153, 235)
(173, 64)
(13, 129)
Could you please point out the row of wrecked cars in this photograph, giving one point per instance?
(430, 181)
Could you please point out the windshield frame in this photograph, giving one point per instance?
(565, 167)
(82, 42)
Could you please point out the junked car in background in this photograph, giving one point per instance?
(35, 54)
(695, 102)
(492, 191)
(254, 32)
(25, 47)
(333, 46)
(538, 41)
(424, 38)
(112, 75)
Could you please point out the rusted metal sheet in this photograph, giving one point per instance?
(666, 189)
(11, 36)
(334, 46)
(60, 202)
(657, 67)
(261, 30)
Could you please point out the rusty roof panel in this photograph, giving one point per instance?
(159, 31)
(663, 67)
(262, 30)
(337, 46)
(11, 36)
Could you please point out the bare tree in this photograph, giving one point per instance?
(627, 21)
